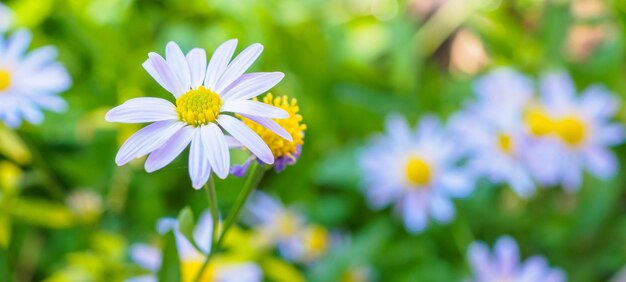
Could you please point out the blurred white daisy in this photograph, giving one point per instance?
(29, 82)
(206, 100)
(493, 130)
(505, 265)
(286, 228)
(575, 132)
(6, 18)
(415, 172)
(191, 260)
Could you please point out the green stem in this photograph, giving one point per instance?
(255, 174)
(211, 194)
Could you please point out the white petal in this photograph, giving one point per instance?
(17, 45)
(199, 167)
(271, 125)
(145, 109)
(254, 108)
(215, 143)
(146, 256)
(30, 111)
(251, 85)
(507, 254)
(600, 162)
(238, 66)
(158, 68)
(164, 155)
(479, 258)
(442, 209)
(219, 62)
(178, 64)
(147, 140)
(240, 272)
(557, 90)
(38, 58)
(456, 184)
(203, 233)
(196, 58)
(51, 102)
(414, 213)
(247, 137)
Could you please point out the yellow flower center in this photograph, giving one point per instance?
(5, 79)
(316, 240)
(505, 143)
(418, 172)
(571, 130)
(293, 124)
(539, 122)
(189, 269)
(199, 106)
(287, 224)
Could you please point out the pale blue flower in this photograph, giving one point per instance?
(29, 82)
(504, 264)
(575, 133)
(150, 257)
(492, 132)
(414, 171)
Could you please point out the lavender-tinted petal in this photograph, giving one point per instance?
(251, 85)
(242, 169)
(218, 154)
(238, 66)
(247, 137)
(196, 59)
(140, 110)
(254, 108)
(272, 126)
(199, 166)
(178, 64)
(147, 140)
(219, 62)
(164, 155)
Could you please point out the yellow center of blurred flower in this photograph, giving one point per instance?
(316, 240)
(538, 122)
(293, 124)
(189, 269)
(287, 224)
(199, 106)
(418, 172)
(505, 143)
(5, 79)
(571, 130)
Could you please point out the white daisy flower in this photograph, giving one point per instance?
(575, 132)
(286, 228)
(415, 171)
(493, 131)
(505, 264)
(191, 260)
(206, 100)
(29, 82)
(6, 18)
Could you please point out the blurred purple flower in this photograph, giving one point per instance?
(414, 171)
(29, 82)
(575, 133)
(505, 265)
(492, 130)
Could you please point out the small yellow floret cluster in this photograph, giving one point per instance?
(418, 171)
(292, 124)
(570, 129)
(199, 106)
(5, 80)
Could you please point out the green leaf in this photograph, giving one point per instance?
(170, 268)
(5, 267)
(186, 225)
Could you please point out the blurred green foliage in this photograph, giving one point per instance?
(349, 63)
